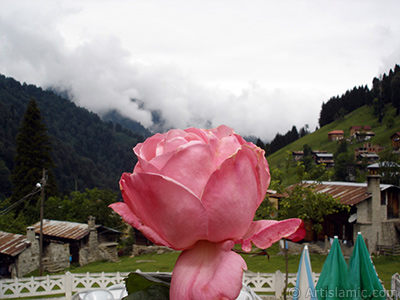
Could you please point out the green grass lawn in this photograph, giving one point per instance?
(386, 266)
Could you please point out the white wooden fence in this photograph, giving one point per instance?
(66, 285)
(395, 287)
(60, 285)
(267, 285)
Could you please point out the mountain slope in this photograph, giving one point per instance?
(318, 140)
(87, 151)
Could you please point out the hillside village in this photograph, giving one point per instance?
(374, 206)
(368, 153)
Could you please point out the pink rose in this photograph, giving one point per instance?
(197, 190)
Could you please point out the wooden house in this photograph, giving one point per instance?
(354, 130)
(374, 211)
(336, 135)
(395, 140)
(368, 148)
(297, 155)
(369, 158)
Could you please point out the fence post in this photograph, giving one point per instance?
(279, 284)
(68, 285)
(1, 289)
(395, 286)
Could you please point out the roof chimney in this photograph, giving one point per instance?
(91, 222)
(30, 234)
(373, 188)
(373, 184)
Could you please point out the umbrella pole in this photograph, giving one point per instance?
(287, 270)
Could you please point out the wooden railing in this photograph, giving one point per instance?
(66, 285)
(388, 250)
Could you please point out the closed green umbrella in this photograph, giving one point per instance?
(363, 274)
(333, 282)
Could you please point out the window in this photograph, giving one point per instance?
(393, 205)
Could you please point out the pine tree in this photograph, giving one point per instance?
(32, 156)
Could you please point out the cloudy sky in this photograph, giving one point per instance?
(257, 66)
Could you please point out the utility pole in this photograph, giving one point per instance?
(43, 184)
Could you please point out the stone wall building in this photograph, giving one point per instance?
(374, 211)
(19, 254)
(82, 243)
(63, 243)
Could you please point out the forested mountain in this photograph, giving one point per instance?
(122, 122)
(384, 90)
(87, 151)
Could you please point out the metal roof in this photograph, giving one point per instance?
(63, 229)
(67, 230)
(12, 244)
(336, 132)
(324, 155)
(349, 193)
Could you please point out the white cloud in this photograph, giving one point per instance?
(260, 67)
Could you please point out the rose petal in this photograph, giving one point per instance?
(231, 196)
(201, 134)
(222, 131)
(266, 232)
(173, 134)
(227, 147)
(265, 176)
(155, 165)
(208, 271)
(172, 144)
(155, 159)
(168, 208)
(298, 235)
(191, 166)
(129, 217)
(147, 149)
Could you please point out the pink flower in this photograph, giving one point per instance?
(197, 190)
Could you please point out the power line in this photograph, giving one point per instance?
(12, 206)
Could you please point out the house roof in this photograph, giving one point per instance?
(358, 127)
(369, 133)
(389, 164)
(394, 134)
(66, 229)
(298, 152)
(63, 229)
(12, 244)
(324, 155)
(318, 151)
(336, 132)
(349, 193)
(370, 155)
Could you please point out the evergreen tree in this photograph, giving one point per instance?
(32, 156)
(307, 159)
(260, 144)
(344, 162)
(395, 90)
